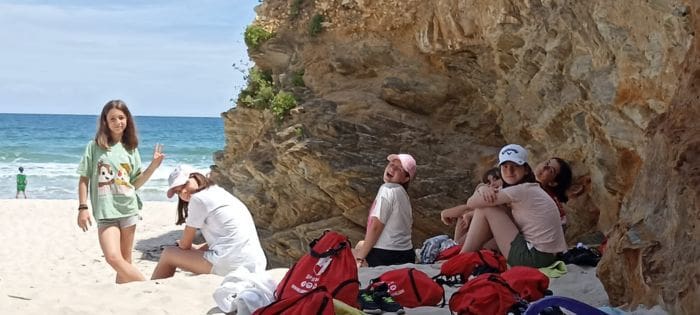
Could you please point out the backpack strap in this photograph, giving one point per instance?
(330, 252)
(483, 260)
(343, 284)
(451, 281)
(519, 301)
(443, 280)
(287, 276)
(415, 288)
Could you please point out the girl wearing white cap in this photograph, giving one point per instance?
(532, 235)
(226, 224)
(390, 222)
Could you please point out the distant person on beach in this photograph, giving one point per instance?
(390, 221)
(461, 214)
(225, 222)
(532, 234)
(21, 183)
(111, 167)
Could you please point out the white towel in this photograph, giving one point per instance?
(244, 292)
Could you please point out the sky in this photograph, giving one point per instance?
(162, 57)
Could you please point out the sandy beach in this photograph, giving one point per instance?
(49, 264)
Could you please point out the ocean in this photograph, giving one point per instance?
(49, 147)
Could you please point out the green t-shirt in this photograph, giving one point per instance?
(111, 173)
(21, 181)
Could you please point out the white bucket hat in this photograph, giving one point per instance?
(179, 177)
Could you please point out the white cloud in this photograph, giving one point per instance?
(173, 58)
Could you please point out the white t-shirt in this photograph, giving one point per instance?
(229, 230)
(393, 208)
(537, 217)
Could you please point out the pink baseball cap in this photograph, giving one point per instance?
(408, 163)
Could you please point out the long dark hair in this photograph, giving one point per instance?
(103, 137)
(563, 180)
(528, 178)
(203, 182)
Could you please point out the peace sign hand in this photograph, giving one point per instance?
(158, 155)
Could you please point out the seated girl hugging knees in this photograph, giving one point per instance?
(532, 235)
(461, 215)
(389, 225)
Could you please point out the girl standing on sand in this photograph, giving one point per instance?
(226, 224)
(532, 235)
(111, 167)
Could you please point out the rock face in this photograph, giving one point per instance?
(608, 85)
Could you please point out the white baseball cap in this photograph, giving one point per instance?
(179, 177)
(512, 153)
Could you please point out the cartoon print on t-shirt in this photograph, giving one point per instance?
(122, 183)
(105, 178)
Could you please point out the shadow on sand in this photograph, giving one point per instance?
(151, 248)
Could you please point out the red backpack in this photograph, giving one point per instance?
(329, 263)
(449, 252)
(411, 287)
(465, 264)
(530, 283)
(317, 301)
(487, 294)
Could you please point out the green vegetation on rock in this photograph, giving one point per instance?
(297, 78)
(316, 25)
(255, 35)
(260, 94)
(282, 104)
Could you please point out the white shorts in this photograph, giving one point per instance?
(119, 222)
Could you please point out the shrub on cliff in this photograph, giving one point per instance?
(282, 104)
(260, 93)
(255, 35)
(297, 78)
(316, 25)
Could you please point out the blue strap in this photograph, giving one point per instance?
(575, 306)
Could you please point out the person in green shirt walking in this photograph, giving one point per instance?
(111, 169)
(21, 183)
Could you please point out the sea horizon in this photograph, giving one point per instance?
(95, 115)
(49, 147)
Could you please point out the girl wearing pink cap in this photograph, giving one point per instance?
(532, 235)
(389, 225)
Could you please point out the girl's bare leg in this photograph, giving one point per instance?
(490, 223)
(174, 257)
(111, 243)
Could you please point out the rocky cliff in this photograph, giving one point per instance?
(608, 85)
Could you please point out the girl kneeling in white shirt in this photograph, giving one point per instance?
(226, 224)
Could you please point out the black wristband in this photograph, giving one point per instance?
(82, 207)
